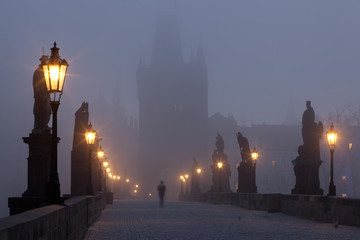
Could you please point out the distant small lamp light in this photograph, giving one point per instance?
(219, 165)
(350, 146)
(118, 177)
(150, 194)
(135, 191)
(186, 176)
(137, 186)
(254, 155)
(108, 170)
(181, 177)
(344, 195)
(105, 164)
(127, 180)
(90, 135)
(198, 170)
(110, 175)
(100, 153)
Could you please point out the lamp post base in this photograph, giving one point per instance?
(53, 191)
(332, 190)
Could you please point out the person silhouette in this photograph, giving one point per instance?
(161, 189)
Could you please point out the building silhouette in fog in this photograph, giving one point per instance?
(173, 110)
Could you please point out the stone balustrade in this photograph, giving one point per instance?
(320, 208)
(68, 221)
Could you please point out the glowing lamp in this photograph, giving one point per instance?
(100, 153)
(186, 176)
(198, 170)
(219, 164)
(332, 137)
(90, 135)
(254, 155)
(55, 71)
(106, 164)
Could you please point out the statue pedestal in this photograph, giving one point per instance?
(246, 178)
(307, 177)
(39, 161)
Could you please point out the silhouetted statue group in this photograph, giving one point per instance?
(307, 163)
(220, 168)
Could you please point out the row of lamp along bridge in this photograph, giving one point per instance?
(331, 138)
(55, 70)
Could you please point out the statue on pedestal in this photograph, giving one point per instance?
(42, 109)
(195, 178)
(246, 169)
(307, 163)
(220, 168)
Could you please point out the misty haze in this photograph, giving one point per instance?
(160, 81)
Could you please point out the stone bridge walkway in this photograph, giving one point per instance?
(131, 219)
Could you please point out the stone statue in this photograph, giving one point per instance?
(307, 163)
(42, 109)
(219, 144)
(246, 168)
(80, 163)
(220, 178)
(244, 147)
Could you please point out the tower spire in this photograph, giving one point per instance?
(167, 50)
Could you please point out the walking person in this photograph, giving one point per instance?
(161, 189)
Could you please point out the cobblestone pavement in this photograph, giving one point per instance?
(130, 219)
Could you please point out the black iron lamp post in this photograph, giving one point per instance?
(219, 165)
(182, 180)
(106, 169)
(90, 137)
(332, 137)
(254, 157)
(54, 73)
(100, 155)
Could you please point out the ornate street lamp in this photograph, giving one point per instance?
(182, 179)
(219, 165)
(54, 73)
(90, 137)
(332, 137)
(186, 183)
(254, 157)
(100, 155)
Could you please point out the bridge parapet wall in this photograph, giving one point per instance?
(321, 208)
(68, 221)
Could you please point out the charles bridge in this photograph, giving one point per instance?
(42, 212)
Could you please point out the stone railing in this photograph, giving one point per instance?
(321, 208)
(68, 221)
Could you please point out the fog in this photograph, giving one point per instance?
(264, 59)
